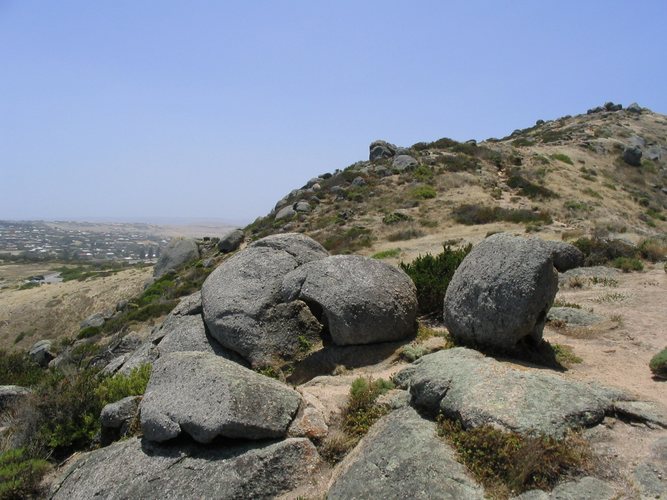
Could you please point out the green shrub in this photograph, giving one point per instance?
(565, 355)
(627, 264)
(392, 253)
(405, 234)
(522, 142)
(506, 462)
(87, 332)
(470, 214)
(395, 218)
(530, 189)
(112, 389)
(658, 364)
(562, 157)
(599, 251)
(362, 411)
(653, 250)
(423, 192)
(460, 163)
(21, 475)
(432, 274)
(349, 241)
(423, 173)
(17, 368)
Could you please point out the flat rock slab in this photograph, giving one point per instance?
(207, 396)
(465, 385)
(642, 411)
(136, 469)
(362, 300)
(402, 457)
(651, 476)
(599, 272)
(586, 488)
(188, 333)
(573, 316)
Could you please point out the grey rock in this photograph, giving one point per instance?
(651, 476)
(465, 385)
(382, 171)
(403, 163)
(642, 411)
(637, 141)
(565, 256)
(231, 241)
(539, 122)
(299, 246)
(593, 272)
(573, 316)
(634, 108)
(136, 469)
(285, 213)
(501, 292)
(188, 305)
(402, 457)
(586, 488)
(178, 252)
(632, 155)
(93, 321)
(655, 153)
(381, 149)
(146, 354)
(121, 305)
(207, 396)
(118, 414)
(40, 352)
(12, 394)
(363, 300)
(359, 181)
(242, 304)
(610, 106)
(302, 207)
(188, 333)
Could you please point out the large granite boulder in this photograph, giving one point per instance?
(381, 149)
(573, 316)
(465, 385)
(500, 294)
(362, 300)
(175, 254)
(117, 418)
(231, 241)
(402, 457)
(41, 352)
(207, 396)
(242, 304)
(565, 256)
(402, 163)
(632, 155)
(188, 333)
(136, 469)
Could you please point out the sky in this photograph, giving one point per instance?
(139, 109)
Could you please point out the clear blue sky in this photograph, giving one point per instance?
(214, 109)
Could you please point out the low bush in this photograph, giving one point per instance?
(392, 253)
(600, 251)
(460, 163)
(658, 364)
(112, 389)
(423, 192)
(470, 214)
(87, 332)
(432, 274)
(17, 368)
(347, 242)
(509, 463)
(362, 411)
(627, 264)
(423, 173)
(653, 250)
(562, 157)
(406, 234)
(530, 189)
(395, 218)
(21, 475)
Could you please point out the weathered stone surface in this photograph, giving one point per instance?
(363, 301)
(146, 354)
(177, 252)
(299, 246)
(207, 396)
(302, 207)
(402, 457)
(642, 411)
(573, 316)
(501, 292)
(115, 415)
(231, 241)
(40, 352)
(477, 390)
(285, 213)
(403, 162)
(11, 394)
(586, 488)
(381, 149)
(188, 333)
(136, 469)
(651, 476)
(565, 256)
(310, 421)
(94, 320)
(634, 108)
(632, 155)
(242, 304)
(593, 272)
(188, 305)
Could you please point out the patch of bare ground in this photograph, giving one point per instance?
(51, 311)
(617, 351)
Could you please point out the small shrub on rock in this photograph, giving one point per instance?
(120, 386)
(432, 274)
(658, 364)
(21, 475)
(362, 411)
(627, 264)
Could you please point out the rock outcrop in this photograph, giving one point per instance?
(175, 254)
(207, 396)
(381, 149)
(501, 292)
(362, 300)
(465, 385)
(402, 457)
(564, 255)
(231, 241)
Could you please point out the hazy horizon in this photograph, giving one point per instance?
(215, 110)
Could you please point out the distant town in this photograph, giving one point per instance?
(79, 241)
